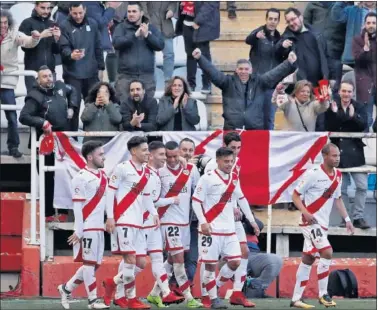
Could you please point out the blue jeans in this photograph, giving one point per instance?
(168, 58)
(7, 97)
(370, 109)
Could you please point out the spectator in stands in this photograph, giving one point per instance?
(136, 40)
(243, 92)
(103, 13)
(49, 107)
(160, 14)
(300, 108)
(348, 115)
(353, 17)
(262, 268)
(263, 56)
(231, 9)
(11, 39)
(199, 23)
(43, 53)
(318, 15)
(62, 12)
(101, 111)
(176, 110)
(138, 111)
(364, 50)
(82, 56)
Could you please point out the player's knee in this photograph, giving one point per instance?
(210, 267)
(308, 259)
(129, 259)
(141, 262)
(234, 264)
(177, 257)
(244, 250)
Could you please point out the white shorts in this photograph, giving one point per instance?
(315, 239)
(154, 243)
(240, 232)
(128, 240)
(176, 238)
(214, 246)
(91, 248)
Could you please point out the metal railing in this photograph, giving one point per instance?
(43, 169)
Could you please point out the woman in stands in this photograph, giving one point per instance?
(11, 39)
(177, 111)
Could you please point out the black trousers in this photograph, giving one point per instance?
(82, 87)
(191, 63)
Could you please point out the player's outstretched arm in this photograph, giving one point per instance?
(344, 214)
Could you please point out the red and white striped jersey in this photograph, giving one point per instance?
(318, 191)
(89, 190)
(212, 165)
(132, 188)
(209, 191)
(180, 182)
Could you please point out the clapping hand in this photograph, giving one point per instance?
(292, 58)
(169, 14)
(56, 33)
(144, 29)
(334, 107)
(196, 53)
(47, 33)
(351, 110)
(76, 54)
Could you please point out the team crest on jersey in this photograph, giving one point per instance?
(174, 242)
(186, 171)
(60, 92)
(204, 251)
(199, 189)
(114, 177)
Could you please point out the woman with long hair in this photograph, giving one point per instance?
(300, 108)
(101, 112)
(176, 110)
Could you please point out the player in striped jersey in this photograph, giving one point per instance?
(89, 200)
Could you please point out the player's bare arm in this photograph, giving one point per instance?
(299, 204)
(344, 214)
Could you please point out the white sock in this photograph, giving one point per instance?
(168, 268)
(210, 284)
(240, 275)
(129, 280)
(303, 275)
(202, 277)
(118, 279)
(224, 275)
(323, 273)
(182, 280)
(75, 281)
(90, 281)
(160, 274)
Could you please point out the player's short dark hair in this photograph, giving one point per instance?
(135, 142)
(224, 152)
(171, 145)
(187, 140)
(327, 147)
(231, 136)
(74, 4)
(155, 145)
(293, 10)
(273, 10)
(135, 3)
(370, 14)
(89, 146)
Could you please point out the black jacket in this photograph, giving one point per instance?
(237, 111)
(49, 105)
(263, 51)
(351, 150)
(43, 53)
(207, 16)
(75, 36)
(136, 55)
(325, 61)
(148, 106)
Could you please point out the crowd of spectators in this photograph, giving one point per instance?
(122, 38)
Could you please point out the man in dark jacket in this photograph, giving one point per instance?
(364, 50)
(43, 53)
(263, 56)
(318, 15)
(243, 92)
(82, 55)
(160, 14)
(347, 115)
(139, 111)
(49, 107)
(136, 41)
(199, 23)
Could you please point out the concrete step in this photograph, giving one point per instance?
(258, 5)
(222, 52)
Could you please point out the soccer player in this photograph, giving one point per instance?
(214, 200)
(233, 141)
(177, 181)
(89, 189)
(130, 195)
(314, 197)
(154, 240)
